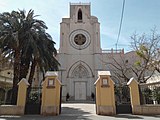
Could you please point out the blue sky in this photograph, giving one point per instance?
(140, 16)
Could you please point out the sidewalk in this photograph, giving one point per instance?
(79, 111)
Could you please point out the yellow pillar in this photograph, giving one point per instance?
(134, 94)
(105, 99)
(22, 92)
(51, 94)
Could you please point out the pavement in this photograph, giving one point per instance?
(80, 111)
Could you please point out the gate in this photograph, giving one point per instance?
(60, 100)
(33, 100)
(122, 98)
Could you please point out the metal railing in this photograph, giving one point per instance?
(113, 51)
(150, 93)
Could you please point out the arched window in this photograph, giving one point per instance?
(80, 15)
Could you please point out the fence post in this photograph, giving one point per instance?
(105, 99)
(22, 92)
(134, 94)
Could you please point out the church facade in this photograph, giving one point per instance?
(80, 53)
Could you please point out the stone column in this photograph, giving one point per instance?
(105, 99)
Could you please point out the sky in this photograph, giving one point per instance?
(140, 16)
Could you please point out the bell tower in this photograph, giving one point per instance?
(79, 52)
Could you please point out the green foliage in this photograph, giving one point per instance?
(137, 63)
(147, 93)
(143, 48)
(151, 95)
(24, 39)
(116, 90)
(23, 35)
(34, 97)
(142, 52)
(122, 94)
(156, 94)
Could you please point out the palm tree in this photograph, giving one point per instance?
(10, 42)
(21, 38)
(43, 55)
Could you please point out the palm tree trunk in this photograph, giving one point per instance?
(25, 63)
(16, 77)
(24, 67)
(32, 71)
(31, 75)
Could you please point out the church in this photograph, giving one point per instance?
(80, 53)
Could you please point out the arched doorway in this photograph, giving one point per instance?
(80, 75)
(80, 81)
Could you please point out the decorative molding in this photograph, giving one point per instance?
(73, 35)
(80, 72)
(74, 66)
(51, 73)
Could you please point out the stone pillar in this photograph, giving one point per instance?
(105, 99)
(134, 94)
(51, 94)
(22, 93)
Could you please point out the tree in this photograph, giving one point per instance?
(43, 55)
(124, 66)
(145, 59)
(118, 65)
(147, 48)
(21, 39)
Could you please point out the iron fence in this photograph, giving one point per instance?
(33, 100)
(122, 94)
(150, 93)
